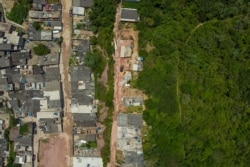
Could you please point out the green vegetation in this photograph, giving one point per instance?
(95, 61)
(90, 144)
(134, 109)
(197, 80)
(79, 26)
(19, 11)
(72, 61)
(106, 95)
(37, 25)
(103, 17)
(53, 1)
(45, 140)
(41, 49)
(24, 129)
(10, 160)
(134, 5)
(59, 41)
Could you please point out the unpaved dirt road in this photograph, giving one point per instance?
(113, 143)
(64, 68)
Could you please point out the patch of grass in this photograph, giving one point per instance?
(130, 5)
(46, 140)
(53, 1)
(41, 49)
(19, 12)
(79, 26)
(72, 61)
(105, 152)
(132, 109)
(91, 144)
(24, 129)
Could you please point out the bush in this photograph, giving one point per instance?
(41, 49)
(19, 12)
(24, 129)
(37, 25)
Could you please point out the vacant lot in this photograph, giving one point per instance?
(53, 152)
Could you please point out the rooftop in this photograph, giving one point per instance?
(50, 125)
(44, 14)
(130, 15)
(78, 10)
(20, 58)
(50, 59)
(84, 120)
(134, 120)
(43, 35)
(83, 3)
(132, 101)
(133, 158)
(87, 162)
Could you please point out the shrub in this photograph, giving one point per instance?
(41, 49)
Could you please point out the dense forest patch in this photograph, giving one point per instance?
(197, 79)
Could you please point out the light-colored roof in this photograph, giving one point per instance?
(78, 10)
(87, 162)
(47, 114)
(126, 51)
(53, 95)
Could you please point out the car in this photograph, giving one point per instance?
(33, 157)
(121, 68)
(70, 12)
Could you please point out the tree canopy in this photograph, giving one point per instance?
(41, 49)
(196, 78)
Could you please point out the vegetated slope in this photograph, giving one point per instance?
(197, 79)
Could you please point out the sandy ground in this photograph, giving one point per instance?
(52, 152)
(116, 92)
(64, 68)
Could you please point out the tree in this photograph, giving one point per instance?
(37, 25)
(41, 49)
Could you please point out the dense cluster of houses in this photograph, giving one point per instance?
(33, 89)
(86, 129)
(31, 83)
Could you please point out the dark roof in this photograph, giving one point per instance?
(133, 159)
(37, 6)
(128, 14)
(11, 74)
(83, 47)
(90, 137)
(50, 59)
(55, 7)
(54, 104)
(50, 125)
(38, 69)
(80, 73)
(134, 120)
(84, 120)
(24, 140)
(3, 147)
(43, 2)
(21, 43)
(20, 58)
(53, 23)
(4, 60)
(131, 0)
(3, 81)
(83, 3)
(6, 47)
(34, 35)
